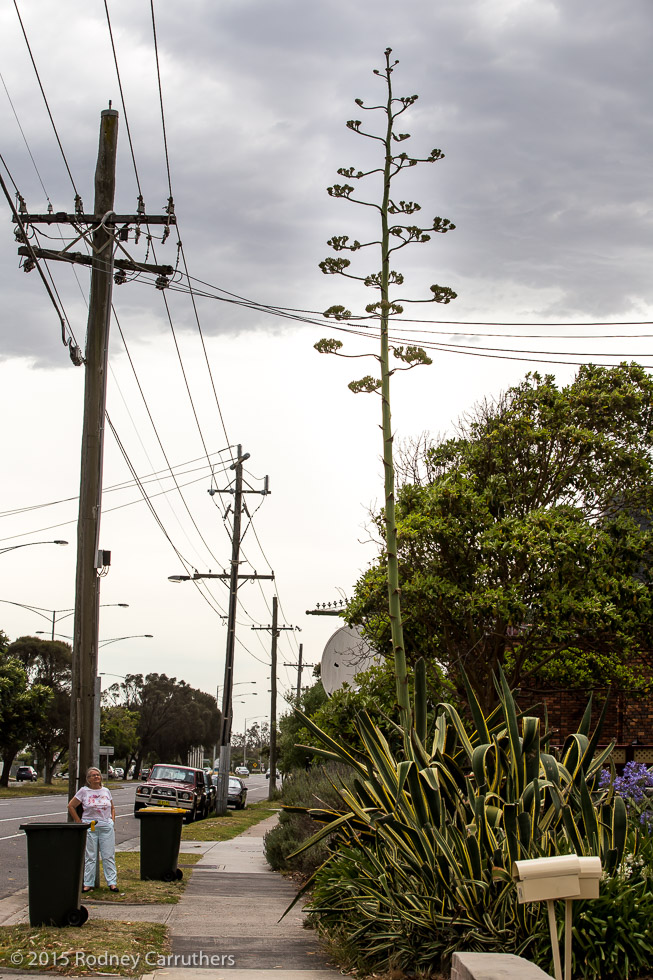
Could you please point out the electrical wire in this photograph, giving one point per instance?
(47, 105)
(158, 77)
(63, 320)
(187, 565)
(158, 437)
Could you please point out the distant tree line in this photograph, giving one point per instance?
(144, 718)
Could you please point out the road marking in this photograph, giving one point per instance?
(37, 816)
(11, 836)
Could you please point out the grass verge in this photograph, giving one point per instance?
(127, 949)
(133, 891)
(234, 822)
(58, 788)
(16, 790)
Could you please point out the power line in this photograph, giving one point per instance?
(187, 565)
(47, 106)
(158, 78)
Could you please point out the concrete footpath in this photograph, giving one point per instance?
(226, 925)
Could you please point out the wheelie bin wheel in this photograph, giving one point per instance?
(77, 917)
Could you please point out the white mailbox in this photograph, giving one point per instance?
(590, 876)
(543, 879)
(563, 876)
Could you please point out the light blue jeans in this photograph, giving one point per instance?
(104, 838)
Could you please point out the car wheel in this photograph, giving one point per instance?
(191, 815)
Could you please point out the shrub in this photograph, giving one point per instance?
(425, 837)
(303, 788)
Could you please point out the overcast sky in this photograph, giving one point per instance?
(543, 111)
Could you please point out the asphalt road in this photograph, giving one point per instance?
(52, 809)
(47, 809)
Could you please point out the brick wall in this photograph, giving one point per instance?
(628, 720)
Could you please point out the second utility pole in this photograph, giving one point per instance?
(276, 629)
(234, 577)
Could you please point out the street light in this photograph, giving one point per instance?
(244, 694)
(52, 613)
(237, 684)
(12, 547)
(136, 636)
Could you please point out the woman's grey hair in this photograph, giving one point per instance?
(92, 769)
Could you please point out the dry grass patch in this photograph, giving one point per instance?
(126, 949)
(133, 891)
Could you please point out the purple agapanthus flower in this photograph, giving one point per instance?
(633, 782)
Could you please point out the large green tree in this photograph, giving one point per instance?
(173, 717)
(48, 662)
(119, 727)
(526, 543)
(23, 708)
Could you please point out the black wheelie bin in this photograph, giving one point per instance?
(160, 840)
(55, 868)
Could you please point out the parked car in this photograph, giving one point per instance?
(236, 791)
(119, 772)
(26, 774)
(241, 771)
(179, 786)
(267, 774)
(144, 774)
(212, 791)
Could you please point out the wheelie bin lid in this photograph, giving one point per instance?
(162, 809)
(54, 826)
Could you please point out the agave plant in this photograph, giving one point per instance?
(426, 842)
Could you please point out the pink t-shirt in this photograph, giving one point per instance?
(96, 803)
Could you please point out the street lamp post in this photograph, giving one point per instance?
(27, 544)
(53, 613)
(98, 692)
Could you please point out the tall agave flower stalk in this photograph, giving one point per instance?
(393, 237)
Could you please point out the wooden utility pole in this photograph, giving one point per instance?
(299, 672)
(300, 665)
(273, 701)
(234, 578)
(275, 629)
(227, 690)
(87, 585)
(99, 231)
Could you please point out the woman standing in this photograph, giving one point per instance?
(97, 804)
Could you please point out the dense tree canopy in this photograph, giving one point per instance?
(525, 541)
(173, 717)
(23, 709)
(48, 662)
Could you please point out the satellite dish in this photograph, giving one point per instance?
(346, 654)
